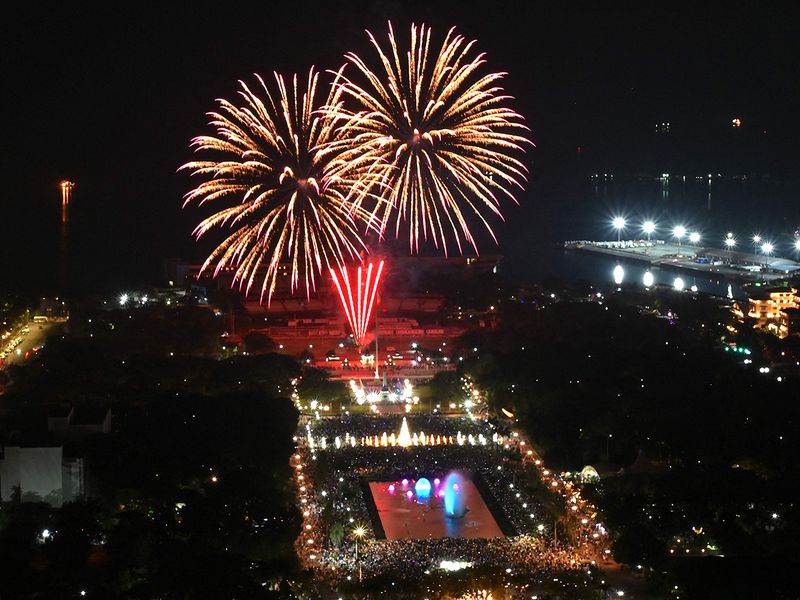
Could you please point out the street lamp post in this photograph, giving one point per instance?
(619, 225)
(756, 242)
(679, 232)
(694, 238)
(767, 249)
(358, 533)
(730, 244)
(648, 227)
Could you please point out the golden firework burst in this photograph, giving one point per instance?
(434, 138)
(275, 187)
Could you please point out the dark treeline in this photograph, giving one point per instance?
(686, 439)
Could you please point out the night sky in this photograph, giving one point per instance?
(110, 97)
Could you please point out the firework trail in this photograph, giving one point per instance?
(358, 297)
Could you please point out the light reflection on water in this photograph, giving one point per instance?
(557, 210)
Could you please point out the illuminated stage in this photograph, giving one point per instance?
(409, 511)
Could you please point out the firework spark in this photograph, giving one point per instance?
(358, 308)
(279, 195)
(436, 138)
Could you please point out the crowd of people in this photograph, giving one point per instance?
(336, 498)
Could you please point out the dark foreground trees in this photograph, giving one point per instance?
(189, 495)
(696, 449)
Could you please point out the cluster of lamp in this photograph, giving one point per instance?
(578, 506)
(392, 440)
(767, 248)
(679, 232)
(648, 227)
(361, 395)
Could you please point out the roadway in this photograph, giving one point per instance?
(30, 342)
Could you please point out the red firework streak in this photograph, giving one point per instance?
(358, 308)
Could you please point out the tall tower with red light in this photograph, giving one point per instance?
(66, 198)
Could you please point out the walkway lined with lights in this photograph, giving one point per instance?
(497, 454)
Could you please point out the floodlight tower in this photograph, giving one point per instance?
(767, 248)
(62, 269)
(619, 224)
(756, 242)
(679, 232)
(648, 227)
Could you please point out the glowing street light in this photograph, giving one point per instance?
(679, 232)
(767, 249)
(619, 224)
(730, 244)
(797, 245)
(358, 533)
(679, 284)
(756, 242)
(648, 227)
(694, 237)
(648, 279)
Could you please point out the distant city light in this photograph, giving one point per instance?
(679, 284)
(123, 299)
(736, 123)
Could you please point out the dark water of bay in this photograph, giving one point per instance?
(107, 246)
(569, 209)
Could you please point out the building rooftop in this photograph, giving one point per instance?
(763, 293)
